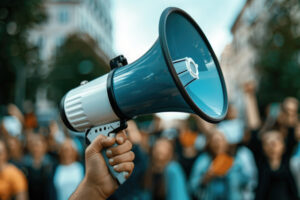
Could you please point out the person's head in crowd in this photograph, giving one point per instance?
(156, 125)
(162, 153)
(291, 105)
(202, 125)
(14, 111)
(3, 154)
(37, 146)
(288, 115)
(55, 137)
(68, 152)
(191, 124)
(15, 148)
(273, 144)
(231, 113)
(216, 143)
(133, 132)
(289, 109)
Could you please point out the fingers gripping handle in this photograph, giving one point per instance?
(120, 176)
(108, 130)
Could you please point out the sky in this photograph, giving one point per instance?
(135, 24)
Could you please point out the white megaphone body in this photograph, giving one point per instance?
(179, 73)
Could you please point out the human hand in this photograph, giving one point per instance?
(98, 182)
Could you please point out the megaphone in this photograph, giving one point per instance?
(179, 73)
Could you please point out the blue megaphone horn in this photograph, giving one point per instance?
(179, 73)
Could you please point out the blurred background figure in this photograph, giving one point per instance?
(186, 149)
(15, 152)
(69, 172)
(217, 174)
(165, 178)
(272, 148)
(39, 168)
(13, 184)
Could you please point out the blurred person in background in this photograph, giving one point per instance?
(132, 189)
(272, 149)
(216, 174)
(186, 145)
(14, 111)
(69, 173)
(30, 119)
(55, 138)
(165, 178)
(233, 127)
(289, 115)
(15, 151)
(39, 169)
(13, 184)
(295, 162)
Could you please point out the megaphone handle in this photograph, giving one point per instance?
(118, 175)
(108, 130)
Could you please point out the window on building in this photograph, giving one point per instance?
(63, 16)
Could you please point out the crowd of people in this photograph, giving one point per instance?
(242, 157)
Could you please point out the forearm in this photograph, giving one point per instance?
(253, 118)
(86, 191)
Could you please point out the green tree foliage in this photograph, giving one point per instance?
(278, 61)
(78, 59)
(17, 55)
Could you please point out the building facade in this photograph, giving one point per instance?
(239, 57)
(65, 17)
(88, 18)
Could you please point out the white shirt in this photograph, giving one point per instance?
(67, 178)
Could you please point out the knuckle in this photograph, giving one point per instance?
(117, 150)
(128, 144)
(87, 150)
(120, 159)
(124, 134)
(131, 165)
(132, 155)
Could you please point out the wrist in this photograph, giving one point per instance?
(94, 189)
(86, 190)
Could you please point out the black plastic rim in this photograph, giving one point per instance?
(111, 96)
(166, 52)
